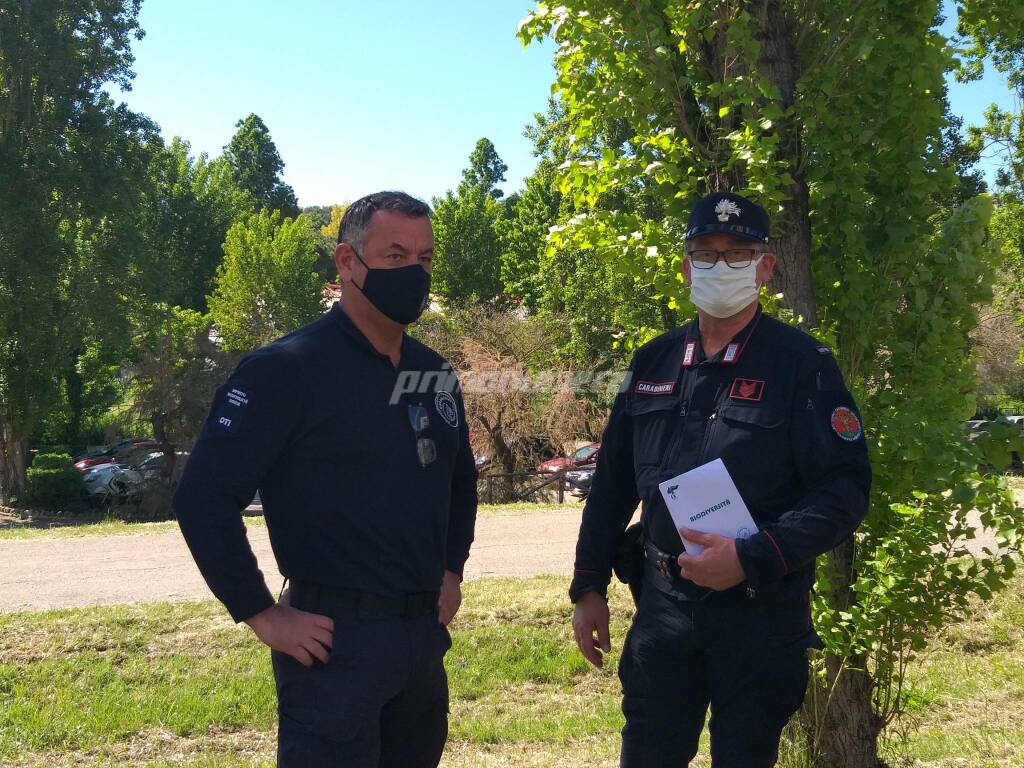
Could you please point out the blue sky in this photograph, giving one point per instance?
(360, 95)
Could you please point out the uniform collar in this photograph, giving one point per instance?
(693, 351)
(352, 330)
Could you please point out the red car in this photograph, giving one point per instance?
(116, 454)
(579, 458)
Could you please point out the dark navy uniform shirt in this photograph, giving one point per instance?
(308, 421)
(773, 406)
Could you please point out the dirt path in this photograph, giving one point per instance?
(40, 574)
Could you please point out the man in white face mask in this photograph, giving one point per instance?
(726, 629)
(727, 262)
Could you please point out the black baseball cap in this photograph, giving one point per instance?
(731, 214)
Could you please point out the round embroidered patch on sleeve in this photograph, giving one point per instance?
(445, 405)
(846, 424)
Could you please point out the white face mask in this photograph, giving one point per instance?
(723, 291)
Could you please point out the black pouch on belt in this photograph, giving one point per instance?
(628, 561)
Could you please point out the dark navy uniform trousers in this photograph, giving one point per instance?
(746, 658)
(381, 701)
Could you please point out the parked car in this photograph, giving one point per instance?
(112, 484)
(92, 457)
(149, 464)
(979, 428)
(580, 480)
(119, 453)
(975, 429)
(1017, 457)
(525, 451)
(578, 458)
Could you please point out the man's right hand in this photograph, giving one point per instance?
(590, 617)
(303, 636)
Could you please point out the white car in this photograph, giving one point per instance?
(112, 484)
(579, 480)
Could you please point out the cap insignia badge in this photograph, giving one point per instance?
(725, 209)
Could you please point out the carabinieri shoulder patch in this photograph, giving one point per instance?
(846, 424)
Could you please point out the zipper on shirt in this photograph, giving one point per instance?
(708, 432)
(688, 381)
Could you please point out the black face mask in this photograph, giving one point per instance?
(401, 293)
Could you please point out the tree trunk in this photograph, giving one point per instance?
(847, 725)
(508, 462)
(161, 433)
(75, 389)
(792, 225)
(792, 275)
(13, 461)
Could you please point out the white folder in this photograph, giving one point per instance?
(706, 499)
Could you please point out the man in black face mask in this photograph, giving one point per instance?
(363, 464)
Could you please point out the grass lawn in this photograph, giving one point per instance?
(66, 526)
(180, 685)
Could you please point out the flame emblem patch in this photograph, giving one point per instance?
(846, 424)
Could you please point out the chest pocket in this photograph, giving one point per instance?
(653, 420)
(748, 416)
(757, 436)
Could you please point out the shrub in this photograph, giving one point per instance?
(53, 483)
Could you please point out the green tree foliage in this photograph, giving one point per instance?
(962, 157)
(180, 221)
(1008, 230)
(266, 285)
(997, 39)
(831, 113)
(53, 483)
(89, 386)
(257, 166)
(602, 302)
(467, 263)
(332, 226)
(523, 236)
(72, 172)
(326, 220)
(177, 367)
(486, 168)
(192, 202)
(328, 241)
(1003, 133)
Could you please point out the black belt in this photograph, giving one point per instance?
(308, 594)
(666, 565)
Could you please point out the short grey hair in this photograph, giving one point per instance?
(356, 220)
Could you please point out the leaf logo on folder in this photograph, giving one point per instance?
(706, 499)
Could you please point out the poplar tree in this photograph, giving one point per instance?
(830, 114)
